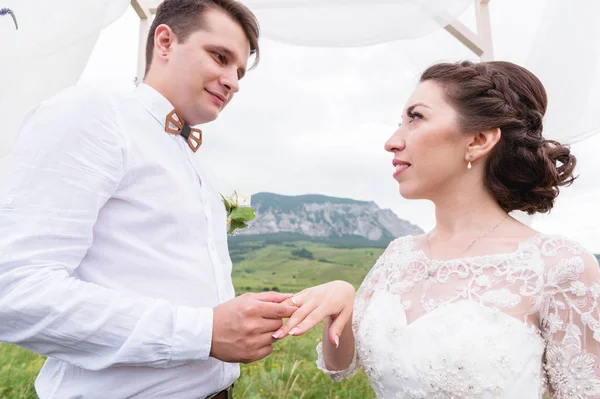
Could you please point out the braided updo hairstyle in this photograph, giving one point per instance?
(524, 170)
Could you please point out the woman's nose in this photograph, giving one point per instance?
(395, 143)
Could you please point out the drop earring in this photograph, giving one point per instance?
(469, 166)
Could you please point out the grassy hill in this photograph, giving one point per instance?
(293, 266)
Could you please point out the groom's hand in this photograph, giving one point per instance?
(243, 327)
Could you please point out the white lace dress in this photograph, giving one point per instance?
(505, 326)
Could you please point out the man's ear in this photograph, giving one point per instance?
(164, 38)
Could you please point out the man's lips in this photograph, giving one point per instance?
(219, 96)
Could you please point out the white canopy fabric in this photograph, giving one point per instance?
(566, 57)
(46, 54)
(352, 23)
(54, 41)
(565, 52)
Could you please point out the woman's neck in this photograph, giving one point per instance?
(470, 211)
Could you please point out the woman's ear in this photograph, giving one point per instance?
(482, 143)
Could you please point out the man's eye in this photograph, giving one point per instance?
(221, 58)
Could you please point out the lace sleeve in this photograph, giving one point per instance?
(376, 277)
(570, 321)
(340, 374)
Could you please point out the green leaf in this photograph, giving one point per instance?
(226, 203)
(244, 214)
(236, 225)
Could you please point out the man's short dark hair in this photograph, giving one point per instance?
(185, 17)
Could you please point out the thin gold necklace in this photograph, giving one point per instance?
(471, 244)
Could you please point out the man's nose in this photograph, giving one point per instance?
(230, 81)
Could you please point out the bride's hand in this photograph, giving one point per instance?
(334, 299)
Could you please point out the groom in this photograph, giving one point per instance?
(113, 247)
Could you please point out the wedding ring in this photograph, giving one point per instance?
(294, 301)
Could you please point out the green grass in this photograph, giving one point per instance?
(18, 369)
(289, 373)
(260, 268)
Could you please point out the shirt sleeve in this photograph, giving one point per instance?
(69, 159)
(570, 321)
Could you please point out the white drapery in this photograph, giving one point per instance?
(46, 54)
(352, 23)
(565, 53)
(566, 57)
(54, 41)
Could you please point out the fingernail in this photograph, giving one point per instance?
(337, 341)
(294, 331)
(278, 334)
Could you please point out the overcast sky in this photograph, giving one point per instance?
(314, 120)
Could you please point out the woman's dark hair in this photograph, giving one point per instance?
(524, 170)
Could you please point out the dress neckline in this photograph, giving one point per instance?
(520, 247)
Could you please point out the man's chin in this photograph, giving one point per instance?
(206, 117)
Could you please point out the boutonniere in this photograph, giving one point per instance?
(239, 211)
(8, 11)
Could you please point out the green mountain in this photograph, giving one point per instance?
(319, 218)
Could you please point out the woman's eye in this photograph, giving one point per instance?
(414, 116)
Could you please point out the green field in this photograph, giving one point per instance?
(291, 267)
(291, 371)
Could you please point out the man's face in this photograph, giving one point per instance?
(202, 74)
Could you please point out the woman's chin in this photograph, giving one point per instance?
(408, 193)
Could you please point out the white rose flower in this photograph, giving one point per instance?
(244, 199)
(238, 199)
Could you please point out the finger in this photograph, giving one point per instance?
(265, 339)
(270, 325)
(296, 319)
(270, 310)
(264, 352)
(276, 297)
(293, 301)
(308, 323)
(336, 328)
(298, 300)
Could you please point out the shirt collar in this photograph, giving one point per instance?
(157, 104)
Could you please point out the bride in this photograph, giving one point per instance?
(482, 306)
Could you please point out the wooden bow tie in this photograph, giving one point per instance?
(192, 136)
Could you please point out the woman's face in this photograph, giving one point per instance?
(429, 149)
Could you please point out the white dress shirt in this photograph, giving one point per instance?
(113, 251)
